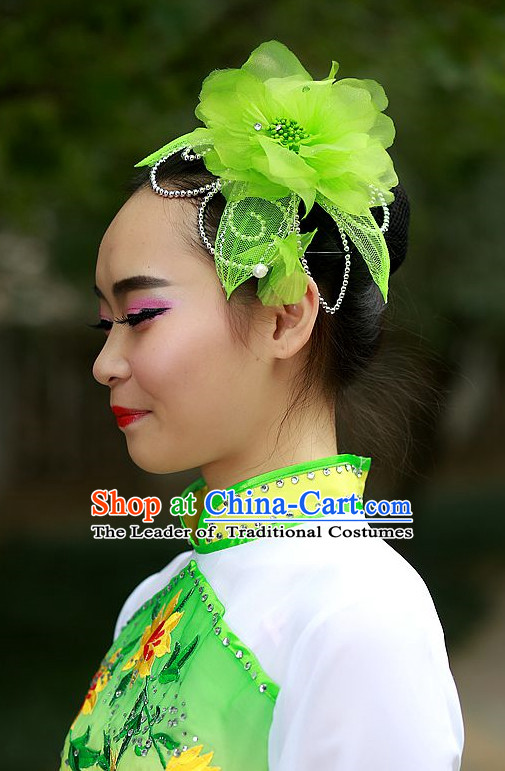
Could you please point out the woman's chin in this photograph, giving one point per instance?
(147, 462)
(155, 462)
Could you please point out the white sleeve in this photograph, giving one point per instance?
(368, 688)
(148, 587)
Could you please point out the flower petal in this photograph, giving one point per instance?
(286, 282)
(274, 60)
(285, 167)
(198, 138)
(231, 99)
(374, 89)
(171, 605)
(172, 621)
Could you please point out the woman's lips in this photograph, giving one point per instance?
(125, 415)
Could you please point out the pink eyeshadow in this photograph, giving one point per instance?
(149, 303)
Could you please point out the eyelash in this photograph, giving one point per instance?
(132, 319)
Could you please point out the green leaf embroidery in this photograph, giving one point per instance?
(81, 741)
(121, 688)
(131, 729)
(87, 757)
(165, 740)
(79, 755)
(131, 645)
(169, 675)
(187, 652)
(172, 669)
(173, 655)
(184, 600)
(104, 761)
(72, 758)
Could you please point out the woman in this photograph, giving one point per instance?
(302, 649)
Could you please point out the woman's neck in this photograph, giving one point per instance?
(303, 435)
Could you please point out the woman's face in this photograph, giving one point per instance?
(197, 392)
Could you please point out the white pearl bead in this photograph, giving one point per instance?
(260, 270)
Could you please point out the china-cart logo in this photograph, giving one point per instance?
(244, 515)
(227, 503)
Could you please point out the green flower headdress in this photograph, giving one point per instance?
(274, 137)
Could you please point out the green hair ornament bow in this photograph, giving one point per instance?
(273, 137)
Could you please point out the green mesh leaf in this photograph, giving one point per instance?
(367, 237)
(246, 236)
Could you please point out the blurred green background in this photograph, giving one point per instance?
(87, 90)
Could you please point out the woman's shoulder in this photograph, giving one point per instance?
(375, 586)
(149, 587)
(293, 583)
(329, 573)
(367, 580)
(370, 568)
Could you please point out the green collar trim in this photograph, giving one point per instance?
(353, 466)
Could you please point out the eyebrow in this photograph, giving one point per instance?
(120, 288)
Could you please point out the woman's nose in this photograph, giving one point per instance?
(111, 364)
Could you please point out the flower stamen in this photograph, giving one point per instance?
(287, 132)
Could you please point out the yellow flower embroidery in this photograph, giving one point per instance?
(191, 760)
(98, 683)
(156, 640)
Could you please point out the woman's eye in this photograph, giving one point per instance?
(132, 319)
(102, 324)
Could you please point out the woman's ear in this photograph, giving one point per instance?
(294, 323)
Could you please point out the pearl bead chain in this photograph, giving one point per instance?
(214, 188)
(328, 308)
(187, 155)
(163, 191)
(378, 194)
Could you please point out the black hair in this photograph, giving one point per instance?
(342, 345)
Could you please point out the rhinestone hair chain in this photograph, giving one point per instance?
(259, 270)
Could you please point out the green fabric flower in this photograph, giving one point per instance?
(274, 134)
(273, 127)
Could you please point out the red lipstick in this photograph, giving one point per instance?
(125, 416)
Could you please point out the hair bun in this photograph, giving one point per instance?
(397, 235)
